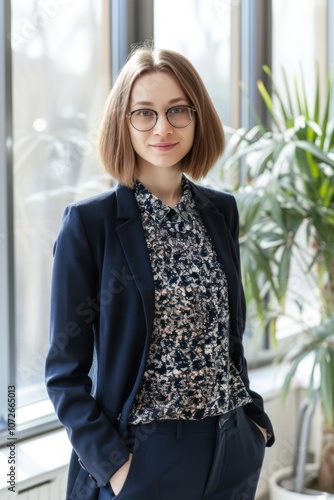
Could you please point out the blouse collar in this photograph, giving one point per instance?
(158, 210)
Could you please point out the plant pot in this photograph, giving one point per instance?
(279, 484)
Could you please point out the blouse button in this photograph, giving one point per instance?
(171, 213)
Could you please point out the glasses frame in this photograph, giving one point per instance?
(130, 113)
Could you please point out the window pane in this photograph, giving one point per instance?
(201, 31)
(60, 80)
(299, 40)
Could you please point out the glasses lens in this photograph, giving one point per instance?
(143, 119)
(180, 116)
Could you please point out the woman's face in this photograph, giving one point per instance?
(164, 145)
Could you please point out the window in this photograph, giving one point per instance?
(60, 56)
(207, 33)
(303, 26)
(202, 32)
(60, 60)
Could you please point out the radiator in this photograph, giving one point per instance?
(40, 468)
(51, 486)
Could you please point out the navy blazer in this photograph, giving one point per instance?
(102, 309)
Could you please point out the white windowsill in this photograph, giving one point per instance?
(36, 456)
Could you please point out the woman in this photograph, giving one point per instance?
(146, 367)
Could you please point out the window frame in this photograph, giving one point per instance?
(130, 23)
(7, 296)
(255, 51)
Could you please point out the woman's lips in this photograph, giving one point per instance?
(164, 146)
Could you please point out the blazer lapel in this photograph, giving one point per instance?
(132, 238)
(221, 238)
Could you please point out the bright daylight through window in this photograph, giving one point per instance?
(60, 59)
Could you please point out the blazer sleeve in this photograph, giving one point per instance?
(255, 409)
(74, 282)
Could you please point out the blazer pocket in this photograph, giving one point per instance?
(84, 487)
(128, 477)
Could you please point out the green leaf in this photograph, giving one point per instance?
(326, 364)
(314, 127)
(284, 110)
(268, 102)
(330, 137)
(291, 374)
(284, 272)
(298, 98)
(315, 151)
(326, 192)
(306, 110)
(287, 91)
(327, 110)
(316, 112)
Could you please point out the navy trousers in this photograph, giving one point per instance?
(217, 458)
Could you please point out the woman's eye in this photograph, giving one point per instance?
(145, 113)
(177, 110)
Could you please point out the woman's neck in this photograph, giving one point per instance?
(164, 183)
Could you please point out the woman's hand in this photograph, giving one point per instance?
(118, 479)
(263, 430)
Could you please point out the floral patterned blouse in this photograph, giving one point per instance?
(189, 374)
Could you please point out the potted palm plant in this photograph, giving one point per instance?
(286, 205)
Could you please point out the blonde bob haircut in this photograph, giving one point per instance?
(114, 145)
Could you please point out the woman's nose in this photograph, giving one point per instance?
(162, 127)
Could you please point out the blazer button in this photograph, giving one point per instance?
(92, 478)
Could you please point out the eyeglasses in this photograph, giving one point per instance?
(144, 120)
